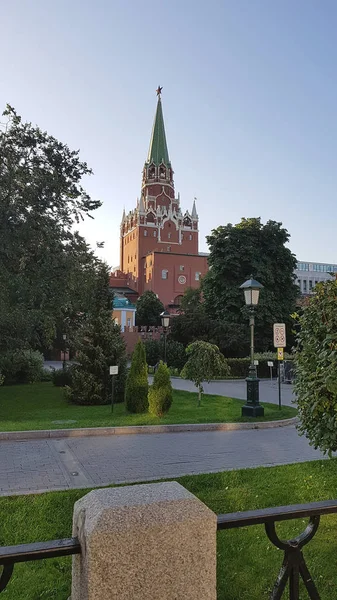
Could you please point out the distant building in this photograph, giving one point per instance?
(158, 242)
(310, 274)
(124, 312)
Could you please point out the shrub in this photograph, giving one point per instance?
(21, 366)
(137, 387)
(62, 377)
(175, 354)
(316, 368)
(160, 394)
(47, 375)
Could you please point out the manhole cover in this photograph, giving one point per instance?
(74, 473)
(63, 422)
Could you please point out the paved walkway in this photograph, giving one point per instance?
(238, 389)
(42, 465)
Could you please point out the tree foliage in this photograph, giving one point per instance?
(46, 268)
(175, 353)
(248, 248)
(160, 394)
(316, 368)
(137, 387)
(193, 323)
(148, 308)
(100, 345)
(204, 362)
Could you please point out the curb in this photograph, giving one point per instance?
(21, 436)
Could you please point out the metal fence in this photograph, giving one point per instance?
(292, 569)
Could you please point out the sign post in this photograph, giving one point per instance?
(279, 343)
(270, 365)
(113, 372)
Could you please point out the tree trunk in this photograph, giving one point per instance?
(199, 397)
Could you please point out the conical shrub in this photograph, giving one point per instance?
(160, 395)
(137, 387)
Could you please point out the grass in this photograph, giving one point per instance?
(247, 562)
(38, 406)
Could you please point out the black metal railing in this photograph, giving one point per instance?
(10, 555)
(294, 566)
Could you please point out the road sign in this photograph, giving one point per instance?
(256, 363)
(280, 353)
(279, 335)
(114, 370)
(270, 363)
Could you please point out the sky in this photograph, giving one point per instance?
(249, 100)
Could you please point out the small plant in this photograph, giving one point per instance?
(205, 361)
(137, 386)
(160, 394)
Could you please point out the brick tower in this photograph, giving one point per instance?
(159, 243)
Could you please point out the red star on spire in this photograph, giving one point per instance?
(158, 90)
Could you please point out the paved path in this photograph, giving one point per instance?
(238, 389)
(42, 465)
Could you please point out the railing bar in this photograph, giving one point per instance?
(282, 513)
(39, 550)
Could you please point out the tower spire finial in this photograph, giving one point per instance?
(158, 152)
(158, 90)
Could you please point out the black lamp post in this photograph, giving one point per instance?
(165, 321)
(252, 408)
(64, 336)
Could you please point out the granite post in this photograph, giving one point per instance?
(144, 542)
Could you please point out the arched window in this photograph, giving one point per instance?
(164, 274)
(150, 217)
(145, 232)
(177, 300)
(187, 222)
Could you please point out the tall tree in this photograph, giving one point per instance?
(149, 308)
(44, 264)
(99, 346)
(236, 252)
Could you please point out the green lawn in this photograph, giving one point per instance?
(38, 406)
(247, 561)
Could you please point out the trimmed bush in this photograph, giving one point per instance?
(137, 387)
(160, 394)
(61, 377)
(21, 366)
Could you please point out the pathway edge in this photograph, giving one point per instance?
(38, 434)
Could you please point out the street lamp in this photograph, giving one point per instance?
(64, 336)
(165, 321)
(252, 408)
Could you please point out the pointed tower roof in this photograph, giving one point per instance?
(158, 151)
(194, 210)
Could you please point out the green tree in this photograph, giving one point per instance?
(160, 394)
(46, 267)
(316, 368)
(137, 387)
(193, 323)
(99, 345)
(204, 362)
(148, 308)
(248, 248)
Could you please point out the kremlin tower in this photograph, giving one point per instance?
(158, 241)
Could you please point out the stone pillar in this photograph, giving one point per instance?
(144, 542)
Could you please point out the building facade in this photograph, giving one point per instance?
(310, 274)
(159, 245)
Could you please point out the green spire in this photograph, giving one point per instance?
(158, 151)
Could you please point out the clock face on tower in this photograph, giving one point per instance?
(182, 279)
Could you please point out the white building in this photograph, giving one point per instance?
(309, 274)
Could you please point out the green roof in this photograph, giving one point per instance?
(122, 303)
(158, 151)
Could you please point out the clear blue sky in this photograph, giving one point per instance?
(249, 99)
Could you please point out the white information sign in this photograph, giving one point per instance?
(256, 363)
(114, 370)
(279, 335)
(270, 363)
